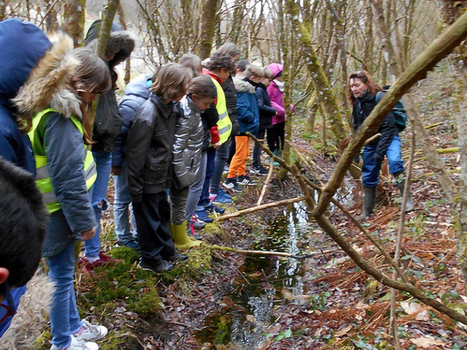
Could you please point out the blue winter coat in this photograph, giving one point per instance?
(247, 107)
(136, 93)
(23, 45)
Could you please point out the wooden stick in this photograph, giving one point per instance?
(268, 178)
(259, 207)
(371, 139)
(270, 253)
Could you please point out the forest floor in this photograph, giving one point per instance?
(226, 300)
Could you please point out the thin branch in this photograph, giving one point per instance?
(260, 207)
(268, 179)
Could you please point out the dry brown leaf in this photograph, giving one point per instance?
(251, 318)
(411, 308)
(423, 316)
(287, 294)
(343, 331)
(427, 342)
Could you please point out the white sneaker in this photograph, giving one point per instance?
(91, 332)
(77, 344)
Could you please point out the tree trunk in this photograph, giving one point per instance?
(104, 33)
(320, 81)
(121, 17)
(73, 20)
(208, 26)
(3, 6)
(51, 21)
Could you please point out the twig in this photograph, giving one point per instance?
(400, 233)
(268, 178)
(47, 13)
(371, 139)
(271, 253)
(260, 207)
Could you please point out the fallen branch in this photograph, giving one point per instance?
(268, 178)
(270, 253)
(371, 139)
(259, 207)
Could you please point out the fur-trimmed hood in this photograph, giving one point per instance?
(243, 86)
(46, 84)
(31, 316)
(121, 42)
(34, 67)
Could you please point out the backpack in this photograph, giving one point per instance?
(398, 110)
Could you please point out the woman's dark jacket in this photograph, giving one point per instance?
(363, 106)
(231, 101)
(266, 112)
(149, 148)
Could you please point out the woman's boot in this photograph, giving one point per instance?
(400, 183)
(369, 202)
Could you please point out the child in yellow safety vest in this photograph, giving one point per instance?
(65, 173)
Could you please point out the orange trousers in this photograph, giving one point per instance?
(242, 151)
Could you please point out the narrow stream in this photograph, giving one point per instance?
(245, 315)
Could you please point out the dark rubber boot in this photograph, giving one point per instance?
(400, 183)
(368, 202)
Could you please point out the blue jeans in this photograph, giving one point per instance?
(222, 154)
(122, 203)
(204, 199)
(99, 198)
(196, 188)
(64, 315)
(371, 168)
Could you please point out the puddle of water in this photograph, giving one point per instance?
(247, 313)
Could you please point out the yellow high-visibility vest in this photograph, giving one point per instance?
(43, 181)
(224, 125)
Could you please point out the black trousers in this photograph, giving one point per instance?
(276, 136)
(257, 149)
(152, 216)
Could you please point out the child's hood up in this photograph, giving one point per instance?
(34, 66)
(121, 42)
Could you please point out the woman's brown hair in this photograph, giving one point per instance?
(92, 75)
(365, 78)
(171, 81)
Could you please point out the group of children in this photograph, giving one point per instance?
(166, 142)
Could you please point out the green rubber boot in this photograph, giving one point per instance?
(180, 237)
(400, 183)
(368, 202)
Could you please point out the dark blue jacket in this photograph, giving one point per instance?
(247, 107)
(136, 93)
(266, 112)
(23, 45)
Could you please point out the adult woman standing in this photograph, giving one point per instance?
(362, 92)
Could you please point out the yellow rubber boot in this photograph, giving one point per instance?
(181, 239)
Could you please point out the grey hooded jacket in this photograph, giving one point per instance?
(188, 144)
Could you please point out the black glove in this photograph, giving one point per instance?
(378, 158)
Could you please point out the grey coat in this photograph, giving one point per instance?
(64, 148)
(188, 144)
(149, 148)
